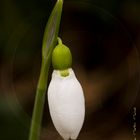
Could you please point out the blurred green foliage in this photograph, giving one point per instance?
(11, 125)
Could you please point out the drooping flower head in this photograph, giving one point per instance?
(65, 95)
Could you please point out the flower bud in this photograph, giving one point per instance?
(66, 104)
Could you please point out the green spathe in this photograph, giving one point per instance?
(61, 57)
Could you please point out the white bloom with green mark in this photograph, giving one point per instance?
(66, 99)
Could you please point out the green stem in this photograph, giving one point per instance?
(59, 40)
(49, 42)
(39, 103)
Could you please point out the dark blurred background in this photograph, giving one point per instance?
(104, 37)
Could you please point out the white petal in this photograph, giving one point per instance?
(67, 104)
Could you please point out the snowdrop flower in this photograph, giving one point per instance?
(65, 96)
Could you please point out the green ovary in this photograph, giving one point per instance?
(61, 58)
